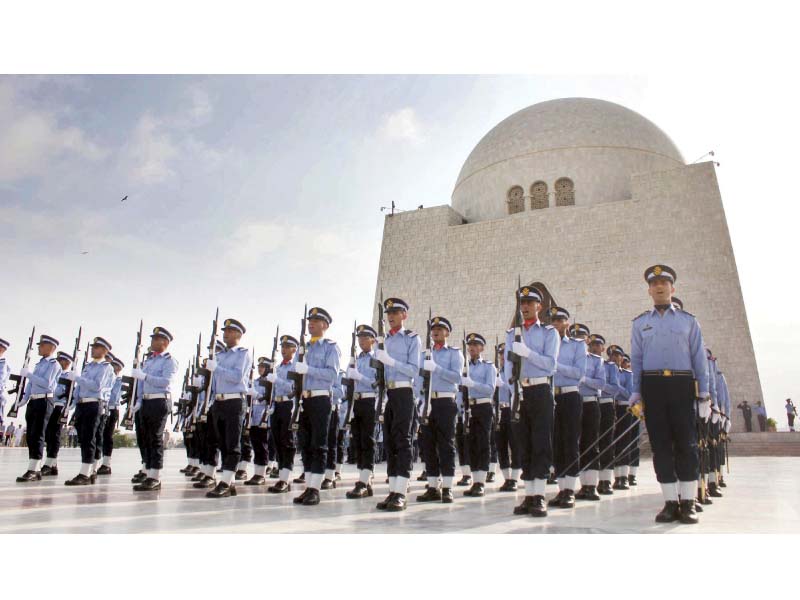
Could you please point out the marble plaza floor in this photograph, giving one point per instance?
(763, 496)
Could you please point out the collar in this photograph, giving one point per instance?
(286, 362)
(364, 353)
(595, 355)
(670, 307)
(396, 330)
(531, 323)
(440, 346)
(314, 340)
(476, 361)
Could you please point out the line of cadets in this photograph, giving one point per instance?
(575, 405)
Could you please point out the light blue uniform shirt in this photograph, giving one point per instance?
(571, 362)
(723, 397)
(447, 375)
(232, 375)
(323, 358)
(404, 347)
(669, 341)
(484, 375)
(283, 385)
(712, 382)
(116, 392)
(160, 370)
(362, 365)
(44, 378)
(337, 392)
(259, 403)
(94, 381)
(544, 344)
(610, 388)
(504, 391)
(595, 377)
(625, 385)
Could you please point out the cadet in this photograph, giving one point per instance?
(92, 383)
(570, 370)
(5, 371)
(52, 432)
(112, 418)
(205, 435)
(505, 435)
(155, 380)
(259, 435)
(362, 424)
(724, 403)
(320, 371)
(334, 451)
(633, 453)
(609, 392)
(42, 381)
(281, 417)
(590, 388)
(538, 353)
(230, 381)
(670, 380)
(401, 359)
(625, 431)
(480, 383)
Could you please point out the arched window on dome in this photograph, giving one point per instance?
(539, 195)
(565, 192)
(516, 200)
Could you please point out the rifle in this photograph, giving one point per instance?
(297, 378)
(181, 404)
(205, 372)
(380, 369)
(83, 366)
(193, 390)
(613, 443)
(426, 375)
(69, 386)
(350, 384)
(132, 384)
(496, 388)
(516, 360)
(269, 387)
(251, 398)
(465, 389)
(19, 389)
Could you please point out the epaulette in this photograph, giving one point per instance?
(549, 327)
(51, 359)
(596, 355)
(641, 315)
(330, 341)
(510, 330)
(410, 333)
(239, 349)
(688, 313)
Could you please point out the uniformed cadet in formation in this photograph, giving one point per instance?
(5, 371)
(437, 438)
(632, 458)
(538, 353)
(320, 371)
(335, 451)
(480, 384)
(505, 436)
(362, 424)
(609, 391)
(112, 417)
(52, 431)
(590, 388)
(38, 399)
(670, 380)
(401, 360)
(570, 370)
(281, 417)
(204, 433)
(258, 435)
(624, 432)
(92, 385)
(155, 376)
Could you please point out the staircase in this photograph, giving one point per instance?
(783, 443)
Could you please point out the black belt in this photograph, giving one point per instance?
(668, 373)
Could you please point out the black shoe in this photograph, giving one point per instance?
(301, 479)
(327, 484)
(299, 499)
(567, 499)
(525, 507)
(705, 500)
(447, 496)
(423, 476)
(223, 490)
(104, 470)
(490, 477)
(430, 495)
(148, 485)
(697, 506)
(632, 480)
(556, 500)
(604, 488)
(670, 513)
(199, 476)
(465, 480)
(551, 479)
(93, 477)
(591, 494)
(78, 480)
(713, 491)
(139, 477)
(205, 482)
(193, 471)
(361, 490)
(46, 471)
(311, 498)
(337, 476)
(509, 485)
(53, 471)
(476, 491)
(274, 473)
(385, 502)
(29, 476)
(688, 515)
(281, 487)
(621, 483)
(387, 480)
(185, 469)
(538, 507)
(721, 481)
(240, 475)
(397, 503)
(256, 480)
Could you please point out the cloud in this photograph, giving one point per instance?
(32, 140)
(402, 125)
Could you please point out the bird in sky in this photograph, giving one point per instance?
(85, 252)
(123, 200)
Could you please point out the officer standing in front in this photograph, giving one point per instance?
(42, 381)
(670, 380)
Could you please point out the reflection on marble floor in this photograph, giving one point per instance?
(767, 490)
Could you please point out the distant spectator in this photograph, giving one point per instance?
(761, 413)
(10, 434)
(19, 438)
(791, 413)
(747, 413)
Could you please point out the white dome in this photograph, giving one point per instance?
(597, 145)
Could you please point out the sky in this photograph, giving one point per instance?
(258, 194)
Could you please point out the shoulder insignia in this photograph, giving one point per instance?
(641, 315)
(688, 313)
(549, 327)
(410, 333)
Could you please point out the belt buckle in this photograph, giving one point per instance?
(391, 385)
(667, 373)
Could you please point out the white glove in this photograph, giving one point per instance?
(25, 372)
(197, 381)
(138, 374)
(727, 425)
(271, 377)
(352, 373)
(635, 398)
(499, 382)
(429, 365)
(301, 368)
(211, 365)
(384, 357)
(582, 380)
(703, 408)
(271, 410)
(715, 417)
(71, 375)
(521, 349)
(468, 382)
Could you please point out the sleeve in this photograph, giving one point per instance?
(238, 372)
(611, 386)
(636, 358)
(330, 372)
(577, 369)
(699, 360)
(485, 387)
(595, 379)
(48, 379)
(410, 368)
(547, 360)
(712, 383)
(93, 384)
(448, 374)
